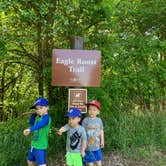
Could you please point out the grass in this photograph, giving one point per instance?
(137, 137)
(149, 155)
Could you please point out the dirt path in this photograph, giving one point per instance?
(116, 159)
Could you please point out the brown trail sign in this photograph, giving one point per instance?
(76, 68)
(77, 99)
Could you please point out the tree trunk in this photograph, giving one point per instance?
(48, 51)
(40, 84)
(40, 60)
(2, 94)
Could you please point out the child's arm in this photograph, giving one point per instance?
(102, 139)
(63, 129)
(32, 119)
(84, 143)
(41, 124)
(101, 134)
(84, 146)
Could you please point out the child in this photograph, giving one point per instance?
(40, 124)
(95, 134)
(76, 138)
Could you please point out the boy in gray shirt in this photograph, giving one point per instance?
(95, 134)
(76, 138)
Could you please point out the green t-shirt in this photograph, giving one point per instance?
(40, 137)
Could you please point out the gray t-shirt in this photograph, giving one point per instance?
(93, 129)
(75, 136)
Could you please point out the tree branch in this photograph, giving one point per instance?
(22, 63)
(24, 53)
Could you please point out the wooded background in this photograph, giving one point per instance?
(132, 37)
(130, 34)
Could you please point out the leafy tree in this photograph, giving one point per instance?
(130, 34)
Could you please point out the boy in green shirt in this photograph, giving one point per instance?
(40, 126)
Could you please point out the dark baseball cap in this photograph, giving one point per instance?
(40, 102)
(73, 113)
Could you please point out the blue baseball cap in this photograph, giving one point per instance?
(73, 113)
(40, 102)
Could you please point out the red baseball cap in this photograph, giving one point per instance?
(95, 103)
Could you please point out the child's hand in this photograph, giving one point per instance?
(59, 132)
(26, 132)
(82, 153)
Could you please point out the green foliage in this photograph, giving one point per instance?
(2, 49)
(131, 39)
(13, 144)
(132, 72)
(123, 131)
(149, 154)
(131, 36)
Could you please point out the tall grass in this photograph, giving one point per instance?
(122, 131)
(13, 145)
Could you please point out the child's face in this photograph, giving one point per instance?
(40, 110)
(73, 122)
(93, 111)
